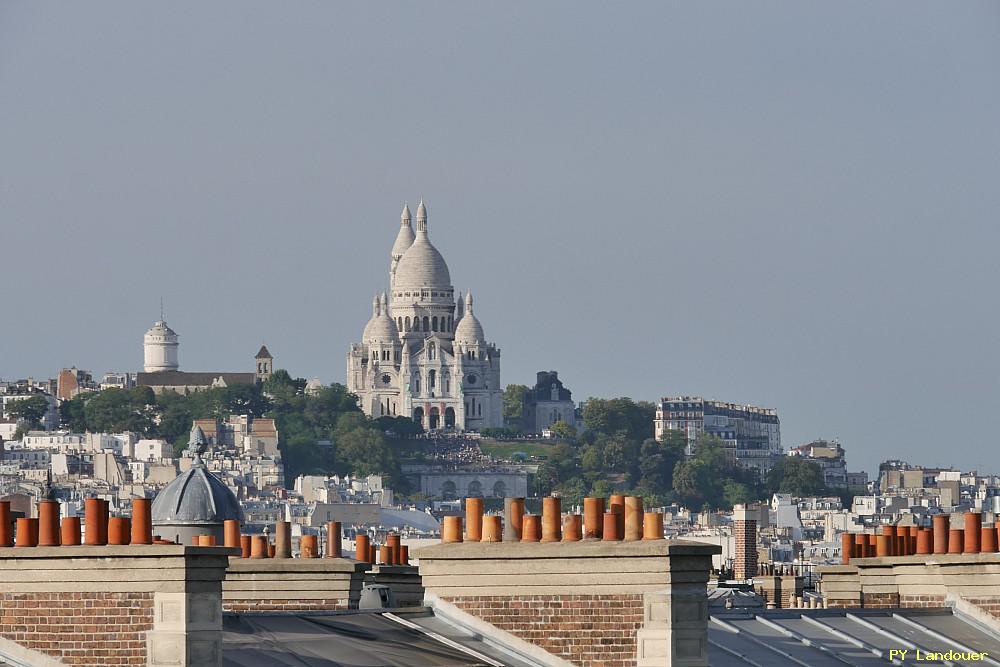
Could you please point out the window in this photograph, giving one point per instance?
(434, 323)
(426, 322)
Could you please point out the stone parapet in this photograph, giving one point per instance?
(590, 602)
(840, 586)
(910, 582)
(115, 605)
(293, 584)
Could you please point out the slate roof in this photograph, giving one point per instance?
(401, 638)
(263, 353)
(197, 379)
(838, 637)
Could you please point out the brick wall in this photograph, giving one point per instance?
(80, 628)
(988, 604)
(922, 601)
(286, 604)
(587, 630)
(880, 600)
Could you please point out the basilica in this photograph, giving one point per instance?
(423, 353)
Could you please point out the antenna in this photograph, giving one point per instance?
(161, 308)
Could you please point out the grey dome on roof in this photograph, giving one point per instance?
(197, 496)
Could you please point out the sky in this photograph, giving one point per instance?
(792, 205)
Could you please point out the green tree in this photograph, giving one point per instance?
(513, 401)
(402, 427)
(797, 476)
(31, 410)
(561, 429)
(115, 410)
(72, 413)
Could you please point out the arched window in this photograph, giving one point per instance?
(475, 489)
(399, 323)
(499, 490)
(434, 323)
(406, 323)
(448, 490)
(431, 378)
(426, 322)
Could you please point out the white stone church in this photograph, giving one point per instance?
(423, 353)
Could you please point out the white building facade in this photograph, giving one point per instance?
(423, 353)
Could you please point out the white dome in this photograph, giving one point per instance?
(161, 329)
(381, 329)
(469, 331)
(422, 266)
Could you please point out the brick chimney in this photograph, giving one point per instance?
(745, 531)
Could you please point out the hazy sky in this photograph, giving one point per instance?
(788, 204)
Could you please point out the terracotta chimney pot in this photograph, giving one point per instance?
(616, 505)
(70, 533)
(206, 540)
(6, 525)
(882, 546)
(860, 542)
(972, 532)
(102, 524)
(27, 532)
(92, 520)
(925, 542)
(258, 547)
(271, 550)
(119, 530)
(361, 543)
(572, 528)
(48, 523)
(988, 540)
(282, 539)
(633, 518)
(404, 554)
(451, 529)
(955, 541)
(610, 532)
(246, 546)
(652, 526)
(334, 545)
(231, 533)
(392, 541)
(309, 546)
(889, 532)
(513, 525)
(593, 518)
(473, 519)
(846, 547)
(940, 529)
(492, 529)
(551, 519)
(385, 555)
(142, 521)
(531, 528)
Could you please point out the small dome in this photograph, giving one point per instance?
(195, 497)
(381, 329)
(422, 266)
(469, 331)
(160, 328)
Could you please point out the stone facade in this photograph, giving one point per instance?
(462, 484)
(423, 353)
(592, 603)
(546, 403)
